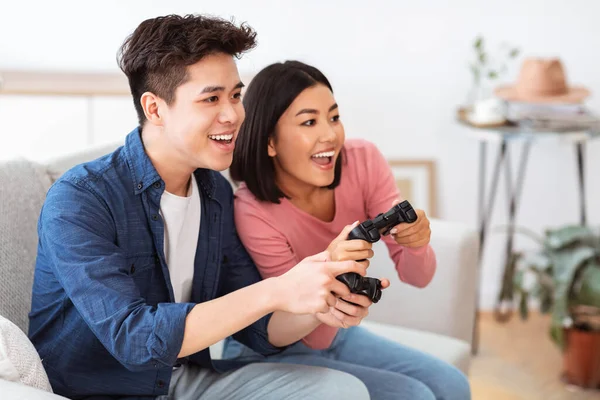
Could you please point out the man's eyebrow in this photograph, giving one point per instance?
(215, 88)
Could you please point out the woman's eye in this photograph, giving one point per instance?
(335, 118)
(310, 122)
(212, 99)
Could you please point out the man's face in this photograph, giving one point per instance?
(201, 124)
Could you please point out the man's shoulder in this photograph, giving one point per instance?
(95, 175)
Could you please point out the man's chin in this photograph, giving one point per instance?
(220, 163)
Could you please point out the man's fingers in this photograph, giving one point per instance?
(359, 299)
(351, 309)
(345, 319)
(385, 283)
(331, 300)
(339, 288)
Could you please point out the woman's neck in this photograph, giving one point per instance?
(316, 201)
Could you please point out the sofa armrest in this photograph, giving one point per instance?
(447, 305)
(18, 391)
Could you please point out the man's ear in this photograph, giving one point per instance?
(271, 147)
(152, 104)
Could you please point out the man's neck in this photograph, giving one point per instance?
(173, 172)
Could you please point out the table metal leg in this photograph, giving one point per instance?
(504, 307)
(484, 214)
(580, 146)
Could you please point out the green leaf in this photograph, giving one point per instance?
(482, 58)
(492, 74)
(545, 302)
(523, 309)
(476, 73)
(569, 235)
(514, 53)
(478, 42)
(557, 335)
(589, 291)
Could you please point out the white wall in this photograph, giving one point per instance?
(398, 68)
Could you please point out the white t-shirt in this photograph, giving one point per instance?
(182, 227)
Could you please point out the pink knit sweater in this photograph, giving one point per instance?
(278, 236)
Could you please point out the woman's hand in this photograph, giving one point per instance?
(342, 249)
(415, 234)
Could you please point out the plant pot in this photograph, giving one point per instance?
(581, 358)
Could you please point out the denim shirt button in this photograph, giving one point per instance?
(140, 185)
(156, 185)
(155, 217)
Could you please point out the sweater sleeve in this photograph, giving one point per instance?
(267, 245)
(415, 266)
(273, 255)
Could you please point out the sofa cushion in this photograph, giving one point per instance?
(17, 391)
(24, 186)
(453, 351)
(19, 361)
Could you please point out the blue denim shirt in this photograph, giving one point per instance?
(103, 316)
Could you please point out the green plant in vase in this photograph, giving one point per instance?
(486, 68)
(564, 276)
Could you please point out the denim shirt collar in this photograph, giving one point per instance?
(143, 173)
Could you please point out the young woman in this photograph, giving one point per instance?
(301, 184)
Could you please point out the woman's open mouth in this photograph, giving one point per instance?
(324, 159)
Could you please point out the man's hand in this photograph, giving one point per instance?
(311, 286)
(349, 310)
(415, 234)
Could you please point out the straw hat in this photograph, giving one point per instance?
(542, 81)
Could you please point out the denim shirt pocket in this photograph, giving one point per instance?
(145, 271)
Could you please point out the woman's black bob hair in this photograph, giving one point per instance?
(267, 97)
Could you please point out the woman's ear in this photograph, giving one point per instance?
(271, 148)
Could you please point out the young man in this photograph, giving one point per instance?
(140, 268)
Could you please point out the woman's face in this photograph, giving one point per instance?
(308, 139)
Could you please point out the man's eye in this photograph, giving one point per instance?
(211, 99)
(237, 96)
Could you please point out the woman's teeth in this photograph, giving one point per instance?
(324, 154)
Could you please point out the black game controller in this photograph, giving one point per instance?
(371, 231)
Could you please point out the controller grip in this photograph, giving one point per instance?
(370, 287)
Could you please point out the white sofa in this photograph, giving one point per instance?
(437, 319)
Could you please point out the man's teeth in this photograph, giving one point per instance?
(221, 137)
(324, 154)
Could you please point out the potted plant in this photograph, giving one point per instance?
(564, 277)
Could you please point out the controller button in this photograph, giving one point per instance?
(412, 215)
(373, 234)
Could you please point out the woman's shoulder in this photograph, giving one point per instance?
(358, 148)
(363, 159)
(245, 202)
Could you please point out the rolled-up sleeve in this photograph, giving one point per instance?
(239, 272)
(77, 233)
